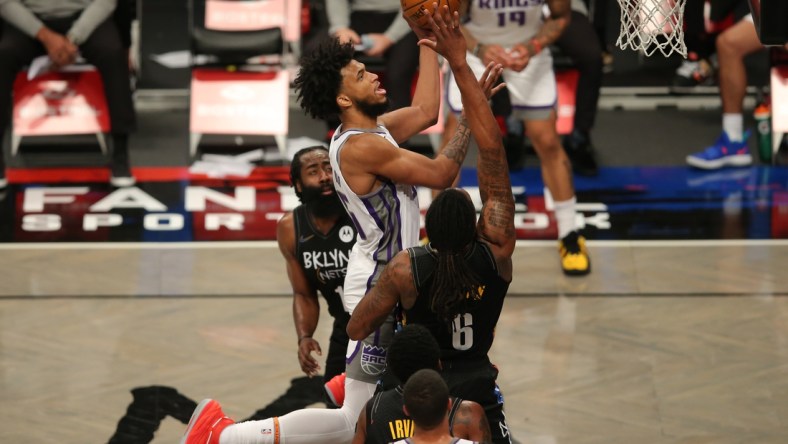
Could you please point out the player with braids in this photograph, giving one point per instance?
(451, 221)
(462, 315)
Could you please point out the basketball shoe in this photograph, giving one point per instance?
(724, 152)
(574, 256)
(335, 389)
(206, 423)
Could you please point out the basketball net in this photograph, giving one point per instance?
(652, 25)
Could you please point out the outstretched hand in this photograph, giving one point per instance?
(446, 39)
(492, 72)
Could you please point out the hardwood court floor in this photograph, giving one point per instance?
(662, 344)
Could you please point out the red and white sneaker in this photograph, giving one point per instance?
(335, 388)
(206, 423)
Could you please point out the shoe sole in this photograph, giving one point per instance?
(576, 273)
(739, 160)
(3, 183)
(195, 415)
(331, 397)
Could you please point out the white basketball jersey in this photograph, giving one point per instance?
(387, 221)
(504, 22)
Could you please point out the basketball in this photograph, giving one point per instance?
(418, 11)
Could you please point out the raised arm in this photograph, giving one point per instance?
(306, 307)
(406, 122)
(394, 285)
(496, 224)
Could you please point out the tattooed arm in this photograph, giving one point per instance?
(496, 224)
(470, 422)
(394, 285)
(551, 30)
(553, 26)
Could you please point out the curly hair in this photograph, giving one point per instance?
(319, 79)
(411, 350)
(451, 226)
(295, 166)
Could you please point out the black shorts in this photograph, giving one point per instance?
(476, 382)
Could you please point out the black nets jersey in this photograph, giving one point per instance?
(387, 422)
(324, 258)
(470, 334)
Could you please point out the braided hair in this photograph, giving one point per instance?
(451, 228)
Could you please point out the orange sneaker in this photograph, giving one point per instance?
(206, 423)
(335, 388)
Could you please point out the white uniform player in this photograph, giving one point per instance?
(507, 23)
(387, 221)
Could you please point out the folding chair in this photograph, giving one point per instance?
(244, 88)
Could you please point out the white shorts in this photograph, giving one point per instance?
(366, 359)
(532, 91)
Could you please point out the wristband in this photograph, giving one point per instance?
(537, 46)
(303, 337)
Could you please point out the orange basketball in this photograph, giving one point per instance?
(419, 10)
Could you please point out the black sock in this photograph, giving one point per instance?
(120, 149)
(119, 165)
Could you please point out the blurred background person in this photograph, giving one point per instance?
(731, 147)
(579, 41)
(65, 30)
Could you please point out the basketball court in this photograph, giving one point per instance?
(122, 308)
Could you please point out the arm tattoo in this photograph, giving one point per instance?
(496, 190)
(458, 145)
(553, 27)
(381, 300)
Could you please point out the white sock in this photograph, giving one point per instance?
(565, 216)
(733, 125)
(307, 426)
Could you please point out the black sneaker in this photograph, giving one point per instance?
(694, 71)
(581, 153)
